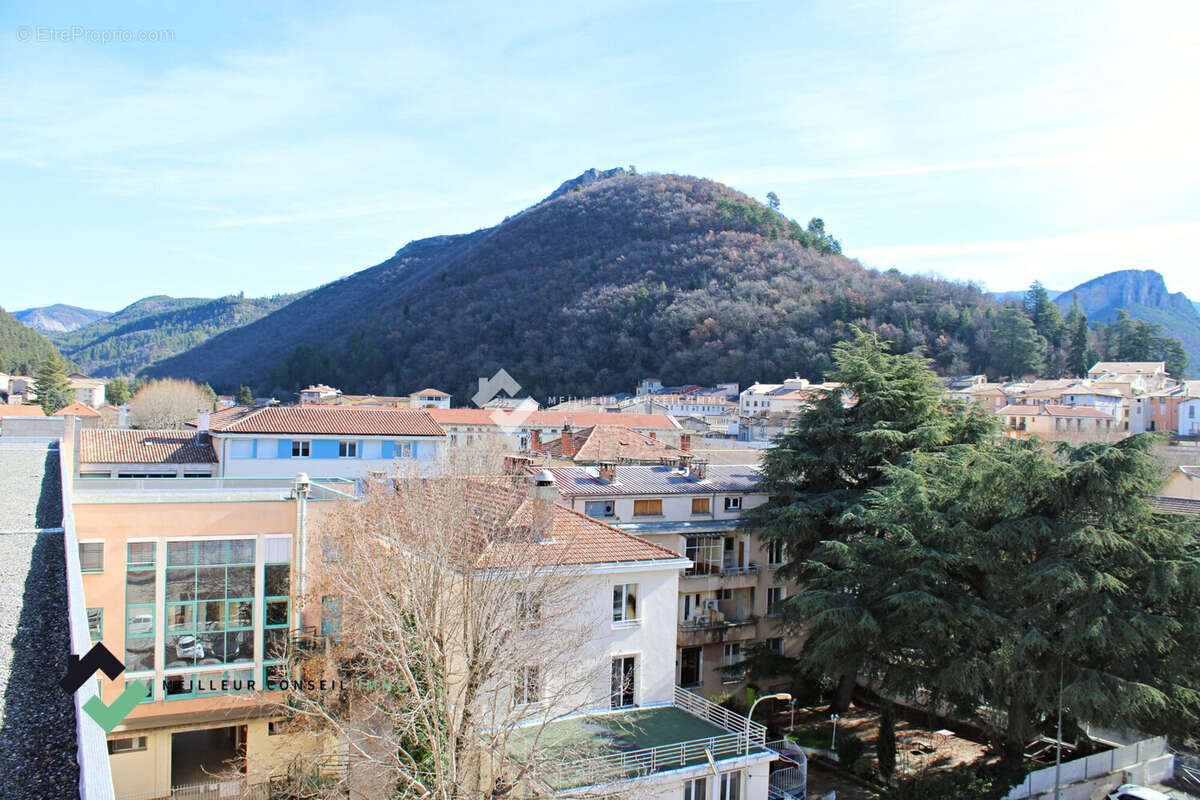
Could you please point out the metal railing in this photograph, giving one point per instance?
(703, 622)
(216, 790)
(321, 489)
(743, 736)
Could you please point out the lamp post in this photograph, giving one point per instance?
(779, 696)
(833, 742)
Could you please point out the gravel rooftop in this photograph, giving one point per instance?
(37, 719)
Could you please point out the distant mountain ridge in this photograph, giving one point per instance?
(58, 318)
(612, 277)
(1143, 294)
(154, 328)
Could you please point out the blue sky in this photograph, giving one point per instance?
(277, 148)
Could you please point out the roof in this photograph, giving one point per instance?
(552, 419)
(325, 420)
(1129, 367)
(78, 409)
(21, 410)
(642, 480)
(87, 383)
(430, 393)
(122, 446)
(613, 443)
(40, 756)
(1176, 505)
(1037, 410)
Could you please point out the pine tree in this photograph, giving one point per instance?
(245, 397)
(116, 392)
(820, 472)
(1080, 353)
(51, 384)
(1017, 348)
(991, 567)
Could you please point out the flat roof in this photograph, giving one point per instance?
(586, 737)
(38, 752)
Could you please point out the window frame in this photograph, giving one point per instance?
(347, 448)
(621, 604)
(98, 633)
(705, 507)
(140, 743)
(733, 502)
(301, 448)
(610, 507)
(91, 543)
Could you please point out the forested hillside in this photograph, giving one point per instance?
(21, 347)
(158, 327)
(612, 278)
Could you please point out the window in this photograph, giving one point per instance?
(625, 602)
(775, 645)
(91, 556)
(705, 554)
(775, 553)
(301, 448)
(209, 611)
(690, 663)
(733, 503)
(599, 508)
(775, 596)
(647, 508)
(733, 653)
(624, 680)
(141, 554)
(331, 550)
(700, 505)
(128, 744)
(347, 449)
(527, 686)
(331, 617)
(276, 589)
(141, 583)
(733, 658)
(731, 786)
(95, 618)
(404, 449)
(695, 789)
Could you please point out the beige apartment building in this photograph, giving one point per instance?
(192, 584)
(730, 597)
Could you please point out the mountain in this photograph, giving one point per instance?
(613, 277)
(21, 347)
(1143, 294)
(159, 327)
(58, 317)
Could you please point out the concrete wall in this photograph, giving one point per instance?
(1147, 761)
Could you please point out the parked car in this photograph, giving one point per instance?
(1131, 791)
(188, 647)
(140, 625)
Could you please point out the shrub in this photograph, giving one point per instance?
(863, 767)
(849, 749)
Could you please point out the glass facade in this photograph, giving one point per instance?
(209, 602)
(141, 583)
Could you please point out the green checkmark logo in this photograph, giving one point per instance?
(110, 716)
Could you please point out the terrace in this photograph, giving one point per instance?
(635, 743)
(215, 490)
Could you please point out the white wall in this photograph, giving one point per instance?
(676, 508)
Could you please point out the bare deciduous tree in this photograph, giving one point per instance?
(168, 403)
(454, 638)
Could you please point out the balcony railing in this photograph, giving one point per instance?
(704, 622)
(709, 570)
(743, 737)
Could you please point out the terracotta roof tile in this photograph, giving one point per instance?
(615, 443)
(121, 446)
(77, 409)
(555, 419)
(332, 420)
(19, 410)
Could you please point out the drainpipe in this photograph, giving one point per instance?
(302, 487)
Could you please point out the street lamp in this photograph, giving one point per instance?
(780, 696)
(833, 742)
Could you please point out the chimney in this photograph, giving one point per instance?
(568, 442)
(202, 422)
(545, 495)
(698, 469)
(517, 465)
(608, 472)
(123, 416)
(652, 435)
(535, 440)
(685, 442)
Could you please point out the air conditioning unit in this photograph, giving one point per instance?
(710, 604)
(701, 619)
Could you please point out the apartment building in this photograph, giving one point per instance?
(193, 585)
(323, 441)
(1189, 417)
(766, 409)
(1071, 423)
(511, 429)
(730, 595)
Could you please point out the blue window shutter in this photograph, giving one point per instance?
(389, 450)
(361, 453)
(285, 448)
(324, 448)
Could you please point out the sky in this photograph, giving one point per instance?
(203, 149)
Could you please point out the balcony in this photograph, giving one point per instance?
(702, 577)
(646, 741)
(714, 628)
